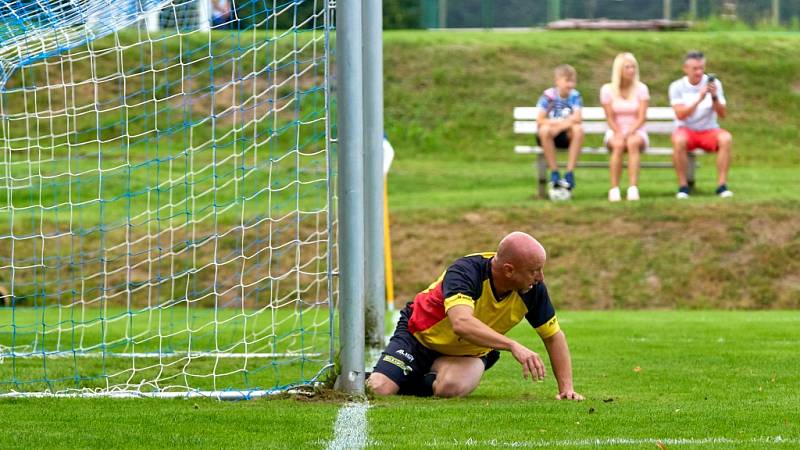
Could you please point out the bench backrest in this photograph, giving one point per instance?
(659, 120)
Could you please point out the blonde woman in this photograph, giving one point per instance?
(625, 102)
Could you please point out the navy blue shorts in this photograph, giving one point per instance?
(561, 141)
(408, 363)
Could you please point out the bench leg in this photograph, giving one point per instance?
(690, 169)
(541, 168)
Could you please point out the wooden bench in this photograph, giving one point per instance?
(659, 121)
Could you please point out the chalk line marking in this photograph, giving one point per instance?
(541, 443)
(350, 430)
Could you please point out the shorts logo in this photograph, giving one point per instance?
(405, 355)
(399, 363)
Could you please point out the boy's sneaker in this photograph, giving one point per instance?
(633, 193)
(563, 184)
(683, 193)
(724, 192)
(614, 194)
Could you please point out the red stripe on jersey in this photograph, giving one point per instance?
(428, 309)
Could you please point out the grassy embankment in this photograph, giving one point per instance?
(456, 186)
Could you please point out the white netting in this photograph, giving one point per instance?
(165, 222)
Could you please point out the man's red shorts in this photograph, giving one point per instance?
(706, 139)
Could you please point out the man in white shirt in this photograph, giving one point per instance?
(698, 100)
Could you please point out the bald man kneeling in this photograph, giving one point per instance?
(453, 331)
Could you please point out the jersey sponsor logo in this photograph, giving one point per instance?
(399, 363)
(405, 355)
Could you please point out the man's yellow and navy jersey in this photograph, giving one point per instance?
(468, 281)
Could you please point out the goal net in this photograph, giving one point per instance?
(165, 197)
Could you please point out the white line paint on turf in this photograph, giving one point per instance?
(716, 441)
(350, 430)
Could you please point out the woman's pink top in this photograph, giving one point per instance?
(625, 110)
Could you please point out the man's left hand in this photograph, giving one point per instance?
(569, 395)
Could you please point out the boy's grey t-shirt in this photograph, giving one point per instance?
(681, 92)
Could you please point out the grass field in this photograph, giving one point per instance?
(691, 379)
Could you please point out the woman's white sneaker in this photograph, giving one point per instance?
(633, 193)
(614, 194)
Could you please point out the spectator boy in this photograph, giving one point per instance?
(559, 124)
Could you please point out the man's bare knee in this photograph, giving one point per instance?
(724, 139)
(380, 384)
(449, 389)
(457, 376)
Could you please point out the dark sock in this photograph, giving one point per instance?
(554, 176)
(684, 189)
(722, 188)
(426, 390)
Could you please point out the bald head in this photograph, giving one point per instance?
(519, 248)
(518, 263)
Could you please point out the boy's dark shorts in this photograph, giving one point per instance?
(406, 361)
(561, 140)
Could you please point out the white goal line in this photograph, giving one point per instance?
(218, 395)
(602, 442)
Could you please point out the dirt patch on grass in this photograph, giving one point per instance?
(719, 256)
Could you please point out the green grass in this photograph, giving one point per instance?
(115, 183)
(125, 424)
(464, 185)
(647, 375)
(656, 375)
